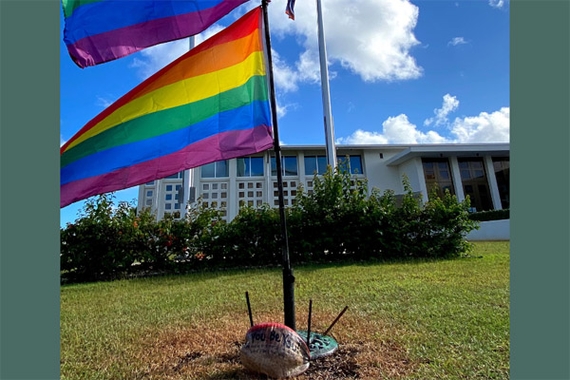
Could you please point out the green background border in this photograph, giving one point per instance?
(29, 189)
(540, 193)
(29, 162)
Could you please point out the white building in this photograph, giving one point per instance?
(478, 170)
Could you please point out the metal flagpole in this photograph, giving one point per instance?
(288, 277)
(329, 126)
(186, 173)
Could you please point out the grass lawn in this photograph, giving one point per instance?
(411, 320)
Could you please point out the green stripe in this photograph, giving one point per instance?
(169, 120)
(70, 5)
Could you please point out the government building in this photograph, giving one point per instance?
(480, 171)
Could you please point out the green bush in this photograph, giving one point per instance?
(483, 216)
(98, 245)
(338, 220)
(325, 223)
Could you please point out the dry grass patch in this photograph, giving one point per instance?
(212, 352)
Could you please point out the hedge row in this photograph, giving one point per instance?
(483, 216)
(338, 220)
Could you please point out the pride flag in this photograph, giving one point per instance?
(98, 31)
(210, 104)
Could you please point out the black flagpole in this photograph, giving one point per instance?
(288, 278)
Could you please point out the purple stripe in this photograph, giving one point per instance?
(108, 46)
(220, 147)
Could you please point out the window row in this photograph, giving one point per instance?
(474, 180)
(254, 166)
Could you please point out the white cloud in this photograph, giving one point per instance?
(395, 130)
(457, 41)
(285, 78)
(483, 128)
(450, 104)
(104, 102)
(371, 38)
(497, 3)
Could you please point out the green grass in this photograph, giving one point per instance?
(406, 320)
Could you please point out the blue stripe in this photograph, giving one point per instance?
(107, 15)
(246, 117)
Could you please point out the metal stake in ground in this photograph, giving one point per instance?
(249, 309)
(309, 324)
(336, 320)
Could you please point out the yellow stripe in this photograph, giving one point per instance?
(227, 54)
(179, 93)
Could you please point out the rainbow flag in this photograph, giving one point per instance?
(210, 104)
(98, 31)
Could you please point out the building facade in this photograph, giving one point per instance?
(480, 171)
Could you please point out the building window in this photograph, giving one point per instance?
(502, 174)
(475, 185)
(215, 170)
(438, 176)
(177, 175)
(352, 163)
(315, 165)
(250, 167)
(288, 166)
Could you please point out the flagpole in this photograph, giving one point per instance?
(328, 120)
(186, 173)
(288, 277)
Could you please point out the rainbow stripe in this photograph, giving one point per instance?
(210, 104)
(98, 31)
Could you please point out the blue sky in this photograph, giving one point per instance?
(400, 72)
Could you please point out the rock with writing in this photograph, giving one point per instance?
(275, 350)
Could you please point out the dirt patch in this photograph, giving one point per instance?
(194, 354)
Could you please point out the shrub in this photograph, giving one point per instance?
(96, 247)
(338, 220)
(483, 216)
(325, 223)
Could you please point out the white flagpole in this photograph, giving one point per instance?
(329, 125)
(186, 181)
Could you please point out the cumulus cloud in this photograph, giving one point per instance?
(486, 127)
(371, 38)
(483, 128)
(450, 104)
(395, 130)
(457, 41)
(286, 79)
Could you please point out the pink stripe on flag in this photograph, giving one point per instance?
(104, 47)
(216, 148)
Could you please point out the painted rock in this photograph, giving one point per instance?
(275, 350)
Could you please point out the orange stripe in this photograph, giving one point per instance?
(208, 61)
